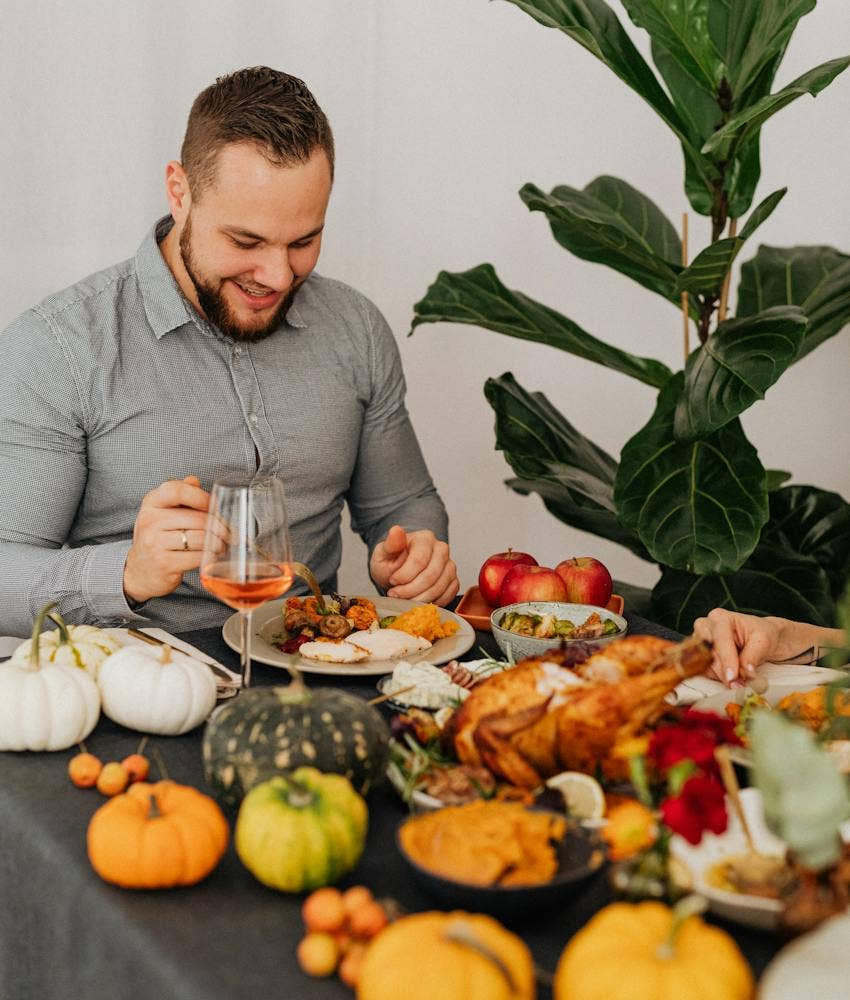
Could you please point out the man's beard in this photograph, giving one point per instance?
(215, 306)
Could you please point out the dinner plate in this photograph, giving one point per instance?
(742, 908)
(267, 622)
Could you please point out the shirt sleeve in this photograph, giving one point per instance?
(43, 450)
(391, 484)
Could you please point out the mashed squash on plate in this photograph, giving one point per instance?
(425, 622)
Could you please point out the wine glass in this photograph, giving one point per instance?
(247, 559)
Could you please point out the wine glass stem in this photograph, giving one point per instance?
(245, 623)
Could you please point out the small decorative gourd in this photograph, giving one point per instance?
(157, 836)
(453, 956)
(647, 950)
(271, 730)
(301, 831)
(83, 646)
(156, 690)
(45, 705)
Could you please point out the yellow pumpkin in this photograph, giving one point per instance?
(634, 951)
(450, 956)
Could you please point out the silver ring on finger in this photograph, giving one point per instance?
(184, 540)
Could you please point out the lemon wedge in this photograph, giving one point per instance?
(582, 794)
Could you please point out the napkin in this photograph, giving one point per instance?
(184, 647)
(781, 679)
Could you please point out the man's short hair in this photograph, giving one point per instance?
(273, 110)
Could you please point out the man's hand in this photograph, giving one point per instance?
(415, 566)
(168, 538)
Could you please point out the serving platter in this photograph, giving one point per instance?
(267, 624)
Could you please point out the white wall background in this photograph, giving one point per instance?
(442, 109)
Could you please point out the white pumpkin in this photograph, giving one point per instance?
(156, 691)
(81, 646)
(45, 707)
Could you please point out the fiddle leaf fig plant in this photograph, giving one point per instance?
(688, 491)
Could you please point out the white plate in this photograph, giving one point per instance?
(709, 695)
(268, 622)
(753, 911)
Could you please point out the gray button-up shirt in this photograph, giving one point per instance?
(116, 384)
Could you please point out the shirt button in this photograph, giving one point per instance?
(253, 418)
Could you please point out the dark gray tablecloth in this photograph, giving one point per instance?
(65, 934)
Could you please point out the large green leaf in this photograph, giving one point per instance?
(596, 27)
(730, 25)
(773, 581)
(816, 278)
(738, 363)
(699, 111)
(478, 297)
(573, 476)
(682, 28)
(611, 223)
(698, 506)
(814, 523)
(746, 121)
(762, 35)
(708, 269)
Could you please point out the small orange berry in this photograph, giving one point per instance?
(317, 954)
(113, 778)
(323, 910)
(356, 897)
(83, 769)
(137, 767)
(368, 921)
(352, 961)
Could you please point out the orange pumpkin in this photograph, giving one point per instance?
(156, 836)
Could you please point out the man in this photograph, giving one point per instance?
(215, 352)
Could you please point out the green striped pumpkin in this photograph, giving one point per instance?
(302, 831)
(266, 731)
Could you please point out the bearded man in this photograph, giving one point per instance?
(216, 352)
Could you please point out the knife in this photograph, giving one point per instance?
(228, 680)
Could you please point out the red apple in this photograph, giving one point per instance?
(496, 568)
(532, 583)
(586, 579)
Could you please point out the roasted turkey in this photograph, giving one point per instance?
(540, 718)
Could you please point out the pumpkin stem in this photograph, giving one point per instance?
(298, 795)
(154, 812)
(38, 625)
(165, 656)
(160, 763)
(460, 932)
(143, 742)
(687, 907)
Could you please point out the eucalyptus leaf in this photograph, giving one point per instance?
(814, 523)
(774, 580)
(738, 363)
(682, 29)
(479, 298)
(804, 796)
(697, 506)
(816, 278)
(594, 230)
(709, 268)
(742, 124)
(573, 476)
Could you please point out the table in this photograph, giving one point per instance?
(66, 934)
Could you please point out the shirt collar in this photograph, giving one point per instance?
(165, 304)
